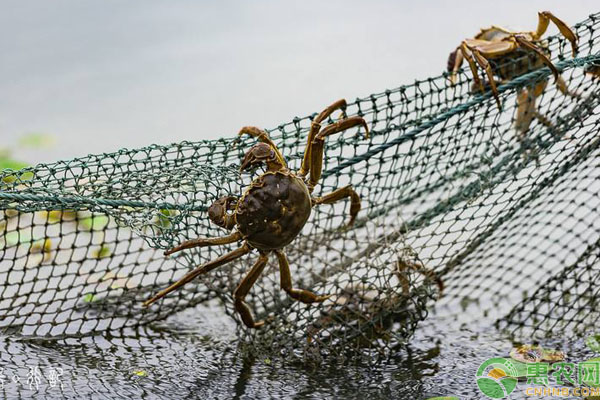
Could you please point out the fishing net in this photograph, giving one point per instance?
(462, 202)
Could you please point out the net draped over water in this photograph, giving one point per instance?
(460, 203)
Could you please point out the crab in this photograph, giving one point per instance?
(375, 309)
(494, 48)
(272, 211)
(403, 268)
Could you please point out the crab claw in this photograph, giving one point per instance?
(261, 153)
(217, 212)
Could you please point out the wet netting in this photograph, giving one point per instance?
(461, 201)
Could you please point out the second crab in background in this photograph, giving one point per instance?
(504, 54)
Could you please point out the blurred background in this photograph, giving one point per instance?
(88, 76)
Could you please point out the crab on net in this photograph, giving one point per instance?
(271, 212)
(504, 55)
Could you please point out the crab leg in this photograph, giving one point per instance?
(465, 52)
(427, 274)
(316, 156)
(203, 242)
(455, 60)
(202, 269)
(593, 70)
(285, 276)
(244, 287)
(564, 89)
(315, 126)
(483, 63)
(263, 137)
(340, 194)
(526, 111)
(544, 19)
(526, 108)
(530, 46)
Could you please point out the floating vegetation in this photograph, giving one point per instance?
(528, 353)
(41, 246)
(94, 222)
(101, 252)
(56, 216)
(14, 238)
(37, 141)
(89, 298)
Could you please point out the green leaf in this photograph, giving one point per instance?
(94, 223)
(89, 297)
(11, 212)
(14, 238)
(9, 163)
(103, 251)
(6, 163)
(41, 246)
(37, 140)
(56, 216)
(163, 218)
(593, 342)
(140, 373)
(26, 176)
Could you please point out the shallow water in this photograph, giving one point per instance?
(195, 353)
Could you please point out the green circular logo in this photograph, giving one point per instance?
(496, 378)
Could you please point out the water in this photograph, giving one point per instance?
(101, 77)
(194, 354)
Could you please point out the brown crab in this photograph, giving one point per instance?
(272, 211)
(494, 48)
(375, 309)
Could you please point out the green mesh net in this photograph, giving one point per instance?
(457, 195)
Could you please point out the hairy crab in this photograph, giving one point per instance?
(272, 211)
(374, 310)
(506, 54)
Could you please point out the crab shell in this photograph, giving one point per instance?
(273, 210)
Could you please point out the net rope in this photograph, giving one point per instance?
(454, 197)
